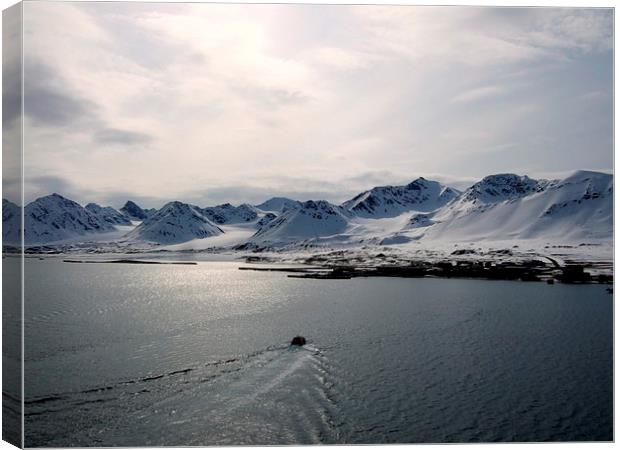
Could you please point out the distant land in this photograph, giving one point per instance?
(500, 207)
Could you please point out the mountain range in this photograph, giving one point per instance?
(498, 207)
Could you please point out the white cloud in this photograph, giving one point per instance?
(593, 95)
(478, 93)
(167, 100)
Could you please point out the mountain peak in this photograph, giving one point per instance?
(277, 204)
(509, 206)
(227, 213)
(108, 214)
(310, 219)
(176, 204)
(317, 204)
(130, 204)
(175, 222)
(133, 211)
(55, 197)
(420, 181)
(503, 186)
(580, 175)
(54, 217)
(389, 201)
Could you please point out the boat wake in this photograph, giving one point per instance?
(275, 395)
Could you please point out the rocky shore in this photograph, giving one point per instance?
(531, 270)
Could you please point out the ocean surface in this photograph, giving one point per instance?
(132, 355)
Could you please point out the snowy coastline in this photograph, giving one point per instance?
(503, 218)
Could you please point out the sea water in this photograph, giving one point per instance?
(130, 355)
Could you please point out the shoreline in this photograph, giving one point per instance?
(529, 271)
(576, 264)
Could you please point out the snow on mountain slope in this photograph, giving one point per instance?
(11, 222)
(310, 219)
(134, 212)
(229, 214)
(175, 222)
(54, 218)
(513, 207)
(278, 204)
(268, 217)
(390, 201)
(108, 214)
(232, 236)
(501, 187)
(421, 220)
(500, 207)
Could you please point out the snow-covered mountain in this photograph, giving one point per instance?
(501, 187)
(278, 204)
(511, 207)
(311, 219)
(108, 214)
(227, 213)
(134, 212)
(499, 207)
(54, 218)
(11, 222)
(390, 201)
(175, 222)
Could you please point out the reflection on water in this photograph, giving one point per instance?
(198, 355)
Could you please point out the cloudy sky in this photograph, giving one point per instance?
(212, 103)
